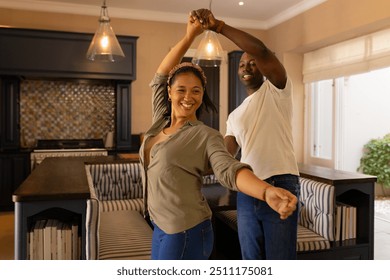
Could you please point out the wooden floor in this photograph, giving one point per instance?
(6, 235)
(381, 243)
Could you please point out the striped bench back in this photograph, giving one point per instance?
(318, 207)
(316, 217)
(117, 181)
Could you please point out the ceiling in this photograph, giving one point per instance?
(258, 14)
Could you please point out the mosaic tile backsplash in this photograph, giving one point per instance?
(51, 109)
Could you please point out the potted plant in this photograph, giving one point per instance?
(376, 161)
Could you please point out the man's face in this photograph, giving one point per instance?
(248, 72)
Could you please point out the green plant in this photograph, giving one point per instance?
(376, 160)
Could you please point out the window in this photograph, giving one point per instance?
(343, 114)
(347, 100)
(322, 119)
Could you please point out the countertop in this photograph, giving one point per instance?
(60, 178)
(333, 176)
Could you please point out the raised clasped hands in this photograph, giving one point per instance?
(282, 201)
(194, 26)
(206, 18)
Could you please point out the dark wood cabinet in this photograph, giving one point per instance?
(123, 116)
(14, 169)
(56, 54)
(44, 54)
(9, 113)
(60, 55)
(354, 189)
(14, 165)
(237, 92)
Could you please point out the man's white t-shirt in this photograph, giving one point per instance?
(262, 126)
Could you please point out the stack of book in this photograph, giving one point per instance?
(52, 239)
(345, 222)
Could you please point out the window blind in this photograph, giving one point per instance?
(354, 56)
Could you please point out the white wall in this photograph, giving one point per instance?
(367, 114)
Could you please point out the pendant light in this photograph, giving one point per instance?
(104, 45)
(209, 52)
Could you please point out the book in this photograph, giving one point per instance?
(343, 220)
(54, 239)
(63, 241)
(348, 220)
(40, 239)
(337, 219)
(59, 240)
(353, 222)
(35, 239)
(47, 243)
(68, 241)
(75, 240)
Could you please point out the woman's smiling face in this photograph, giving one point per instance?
(186, 94)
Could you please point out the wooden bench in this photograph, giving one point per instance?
(316, 220)
(116, 228)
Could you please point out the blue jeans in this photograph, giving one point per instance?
(193, 244)
(262, 234)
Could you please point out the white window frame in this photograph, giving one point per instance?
(337, 125)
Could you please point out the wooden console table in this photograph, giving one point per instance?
(354, 189)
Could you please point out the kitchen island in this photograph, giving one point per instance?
(57, 188)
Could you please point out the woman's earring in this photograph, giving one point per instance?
(169, 99)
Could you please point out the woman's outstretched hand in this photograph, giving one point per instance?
(281, 200)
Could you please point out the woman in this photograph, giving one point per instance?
(178, 150)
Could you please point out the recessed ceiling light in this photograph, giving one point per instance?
(241, 3)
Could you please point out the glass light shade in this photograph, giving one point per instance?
(209, 52)
(104, 45)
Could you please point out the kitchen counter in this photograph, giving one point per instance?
(56, 189)
(61, 178)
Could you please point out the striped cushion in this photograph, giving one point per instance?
(317, 210)
(116, 181)
(124, 235)
(122, 204)
(308, 240)
(229, 217)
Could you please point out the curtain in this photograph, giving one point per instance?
(354, 56)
